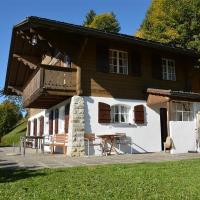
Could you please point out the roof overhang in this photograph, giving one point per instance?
(159, 96)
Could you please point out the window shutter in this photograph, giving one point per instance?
(104, 113)
(41, 125)
(135, 63)
(102, 58)
(35, 127)
(139, 114)
(156, 67)
(29, 128)
(67, 117)
(51, 123)
(56, 120)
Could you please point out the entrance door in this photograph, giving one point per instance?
(163, 125)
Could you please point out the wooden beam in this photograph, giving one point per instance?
(26, 60)
(78, 73)
(16, 90)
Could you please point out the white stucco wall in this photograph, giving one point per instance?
(183, 136)
(145, 138)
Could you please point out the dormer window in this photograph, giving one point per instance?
(118, 61)
(168, 69)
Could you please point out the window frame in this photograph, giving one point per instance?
(118, 66)
(125, 113)
(168, 71)
(182, 112)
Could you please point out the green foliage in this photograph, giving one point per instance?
(174, 22)
(89, 17)
(9, 116)
(14, 99)
(167, 180)
(105, 21)
(14, 135)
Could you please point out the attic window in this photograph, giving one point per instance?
(118, 61)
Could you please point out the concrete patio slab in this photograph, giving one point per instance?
(10, 158)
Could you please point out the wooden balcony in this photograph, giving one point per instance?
(49, 86)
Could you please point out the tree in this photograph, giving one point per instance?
(17, 100)
(173, 22)
(89, 17)
(9, 116)
(105, 21)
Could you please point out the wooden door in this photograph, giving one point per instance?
(41, 125)
(67, 107)
(51, 123)
(163, 125)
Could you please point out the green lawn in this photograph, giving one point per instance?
(167, 180)
(14, 135)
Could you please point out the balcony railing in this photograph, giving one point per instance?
(51, 78)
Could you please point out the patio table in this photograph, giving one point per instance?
(109, 138)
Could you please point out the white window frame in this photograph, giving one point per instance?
(118, 66)
(183, 113)
(120, 113)
(168, 71)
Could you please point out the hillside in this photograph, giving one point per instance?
(14, 135)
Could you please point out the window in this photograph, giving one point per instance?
(182, 111)
(118, 61)
(168, 69)
(120, 114)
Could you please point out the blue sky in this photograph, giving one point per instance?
(130, 14)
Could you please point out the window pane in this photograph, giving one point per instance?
(179, 107)
(179, 116)
(122, 118)
(116, 118)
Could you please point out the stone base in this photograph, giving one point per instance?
(76, 131)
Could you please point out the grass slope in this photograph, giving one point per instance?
(167, 180)
(14, 135)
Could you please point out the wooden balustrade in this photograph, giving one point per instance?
(51, 78)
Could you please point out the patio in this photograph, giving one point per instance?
(10, 158)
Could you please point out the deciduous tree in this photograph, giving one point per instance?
(174, 22)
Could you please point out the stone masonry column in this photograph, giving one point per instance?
(76, 129)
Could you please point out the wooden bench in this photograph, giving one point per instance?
(59, 140)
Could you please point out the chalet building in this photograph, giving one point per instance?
(80, 80)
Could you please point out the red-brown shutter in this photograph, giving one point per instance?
(51, 123)
(139, 114)
(35, 127)
(104, 113)
(29, 128)
(56, 120)
(67, 117)
(41, 125)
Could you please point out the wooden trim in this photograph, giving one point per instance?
(25, 60)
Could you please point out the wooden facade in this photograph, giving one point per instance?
(44, 85)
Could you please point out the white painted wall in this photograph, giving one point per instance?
(183, 136)
(183, 133)
(145, 138)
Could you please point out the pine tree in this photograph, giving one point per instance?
(89, 17)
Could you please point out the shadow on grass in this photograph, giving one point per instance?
(10, 172)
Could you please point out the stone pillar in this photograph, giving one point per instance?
(76, 129)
